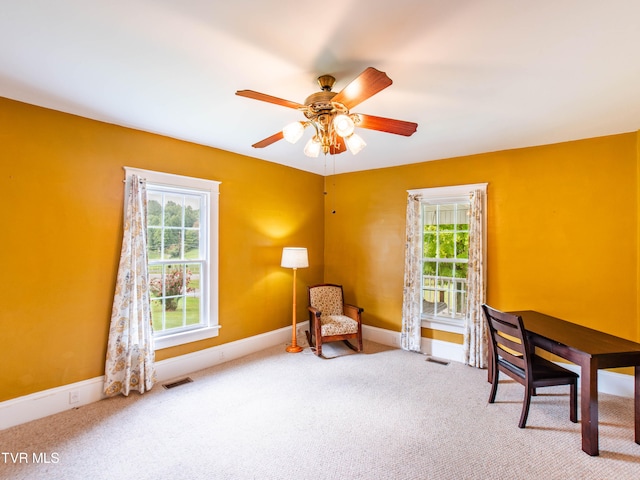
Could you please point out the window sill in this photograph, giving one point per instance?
(443, 324)
(167, 341)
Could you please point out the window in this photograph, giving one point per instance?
(444, 217)
(182, 248)
(445, 256)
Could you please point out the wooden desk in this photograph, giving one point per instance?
(591, 350)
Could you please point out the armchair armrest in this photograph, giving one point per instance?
(314, 311)
(352, 311)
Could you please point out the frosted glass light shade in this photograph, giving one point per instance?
(355, 143)
(312, 148)
(294, 257)
(293, 131)
(343, 125)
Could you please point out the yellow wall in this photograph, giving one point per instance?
(562, 231)
(61, 191)
(562, 236)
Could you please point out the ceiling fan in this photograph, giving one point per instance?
(328, 113)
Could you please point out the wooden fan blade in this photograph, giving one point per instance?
(268, 98)
(269, 140)
(366, 85)
(388, 125)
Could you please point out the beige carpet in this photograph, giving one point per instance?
(384, 414)
(330, 350)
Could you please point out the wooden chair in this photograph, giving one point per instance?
(514, 356)
(330, 319)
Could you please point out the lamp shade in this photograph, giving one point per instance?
(293, 131)
(294, 257)
(312, 148)
(343, 125)
(355, 143)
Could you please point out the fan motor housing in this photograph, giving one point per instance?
(321, 104)
(320, 100)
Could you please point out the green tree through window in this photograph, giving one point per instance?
(175, 258)
(445, 259)
(182, 248)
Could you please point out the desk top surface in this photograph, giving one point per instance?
(583, 339)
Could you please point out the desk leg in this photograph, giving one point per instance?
(589, 406)
(636, 401)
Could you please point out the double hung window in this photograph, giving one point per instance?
(182, 250)
(444, 226)
(445, 258)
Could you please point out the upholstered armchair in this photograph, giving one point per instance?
(331, 320)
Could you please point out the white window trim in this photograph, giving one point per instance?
(454, 193)
(213, 188)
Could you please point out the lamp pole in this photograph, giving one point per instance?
(294, 347)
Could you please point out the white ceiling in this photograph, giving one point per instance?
(476, 75)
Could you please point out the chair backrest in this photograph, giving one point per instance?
(327, 298)
(507, 337)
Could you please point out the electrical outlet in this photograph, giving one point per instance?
(74, 397)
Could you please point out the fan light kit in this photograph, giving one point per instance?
(328, 113)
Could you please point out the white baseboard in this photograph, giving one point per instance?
(444, 350)
(55, 400)
(609, 382)
(428, 346)
(381, 336)
(48, 402)
(175, 367)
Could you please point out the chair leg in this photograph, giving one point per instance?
(317, 349)
(573, 402)
(316, 327)
(494, 386)
(318, 344)
(525, 407)
(309, 338)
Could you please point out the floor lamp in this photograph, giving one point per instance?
(294, 257)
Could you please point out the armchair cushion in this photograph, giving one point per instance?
(337, 325)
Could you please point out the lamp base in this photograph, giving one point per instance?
(294, 349)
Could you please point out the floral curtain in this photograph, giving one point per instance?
(411, 322)
(475, 334)
(130, 350)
